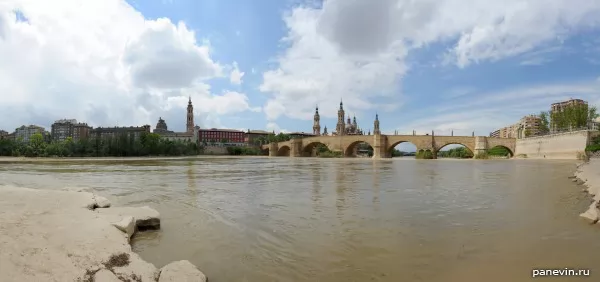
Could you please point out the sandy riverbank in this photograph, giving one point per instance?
(76, 236)
(588, 174)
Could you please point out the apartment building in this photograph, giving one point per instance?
(113, 132)
(495, 133)
(24, 132)
(531, 125)
(65, 128)
(564, 104)
(559, 107)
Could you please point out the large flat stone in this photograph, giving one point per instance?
(592, 215)
(52, 236)
(145, 217)
(181, 271)
(124, 223)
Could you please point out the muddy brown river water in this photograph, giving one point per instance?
(334, 220)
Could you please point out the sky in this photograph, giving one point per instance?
(461, 66)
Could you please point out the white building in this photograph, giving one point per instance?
(596, 124)
(24, 133)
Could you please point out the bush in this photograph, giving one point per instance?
(593, 148)
(424, 154)
(482, 156)
(330, 154)
(244, 151)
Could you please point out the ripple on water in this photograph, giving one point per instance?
(302, 219)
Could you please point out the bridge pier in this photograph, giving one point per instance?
(273, 149)
(481, 145)
(379, 147)
(296, 148)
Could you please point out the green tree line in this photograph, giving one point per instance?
(459, 153)
(571, 117)
(272, 137)
(124, 145)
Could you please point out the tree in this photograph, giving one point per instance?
(573, 117)
(544, 122)
(527, 132)
(593, 113)
(148, 144)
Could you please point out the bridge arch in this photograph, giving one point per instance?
(313, 148)
(284, 151)
(390, 150)
(469, 151)
(353, 149)
(500, 150)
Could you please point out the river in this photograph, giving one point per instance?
(330, 220)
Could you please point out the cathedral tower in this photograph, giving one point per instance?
(190, 117)
(340, 128)
(376, 126)
(316, 123)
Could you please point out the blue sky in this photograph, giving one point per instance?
(432, 65)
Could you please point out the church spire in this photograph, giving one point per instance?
(316, 122)
(376, 130)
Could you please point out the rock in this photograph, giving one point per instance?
(135, 270)
(102, 202)
(105, 275)
(181, 271)
(123, 223)
(145, 217)
(571, 177)
(574, 180)
(592, 214)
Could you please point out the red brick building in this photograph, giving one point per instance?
(214, 135)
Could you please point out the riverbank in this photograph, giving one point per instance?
(75, 235)
(109, 159)
(589, 175)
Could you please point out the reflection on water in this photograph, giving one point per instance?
(306, 219)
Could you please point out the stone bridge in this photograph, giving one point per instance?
(384, 144)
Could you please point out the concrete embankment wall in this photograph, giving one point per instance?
(567, 145)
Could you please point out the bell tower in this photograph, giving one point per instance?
(340, 128)
(190, 117)
(316, 123)
(376, 130)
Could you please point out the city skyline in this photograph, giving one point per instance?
(230, 59)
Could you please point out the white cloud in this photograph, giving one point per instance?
(102, 63)
(271, 126)
(356, 49)
(236, 75)
(314, 71)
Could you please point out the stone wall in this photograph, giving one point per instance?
(567, 145)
